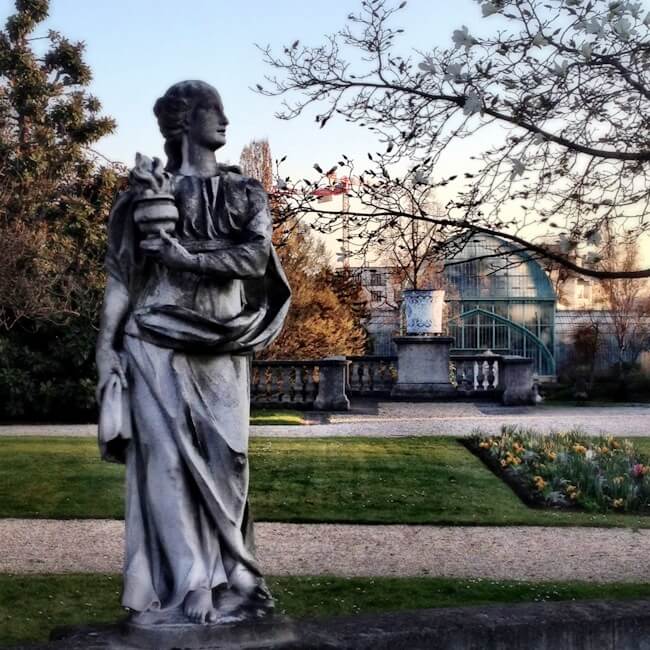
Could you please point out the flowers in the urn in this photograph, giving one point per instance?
(155, 209)
(149, 177)
(570, 469)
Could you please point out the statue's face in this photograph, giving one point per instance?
(209, 122)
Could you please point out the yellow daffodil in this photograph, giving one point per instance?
(540, 483)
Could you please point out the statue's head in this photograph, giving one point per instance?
(192, 109)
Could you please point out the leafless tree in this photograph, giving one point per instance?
(626, 304)
(256, 161)
(563, 89)
(412, 249)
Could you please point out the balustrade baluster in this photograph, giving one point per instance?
(274, 381)
(351, 376)
(283, 383)
(255, 382)
(460, 375)
(482, 377)
(467, 370)
(288, 383)
(311, 386)
(490, 373)
(384, 375)
(299, 384)
(261, 384)
(371, 376)
(362, 376)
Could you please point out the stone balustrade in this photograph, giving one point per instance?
(318, 384)
(326, 384)
(509, 377)
(371, 375)
(475, 373)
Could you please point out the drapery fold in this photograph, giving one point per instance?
(187, 474)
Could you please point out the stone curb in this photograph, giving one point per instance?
(602, 625)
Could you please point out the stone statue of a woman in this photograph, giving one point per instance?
(194, 287)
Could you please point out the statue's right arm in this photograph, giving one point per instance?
(113, 314)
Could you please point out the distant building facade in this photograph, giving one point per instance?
(503, 303)
(500, 299)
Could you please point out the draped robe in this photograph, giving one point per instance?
(186, 345)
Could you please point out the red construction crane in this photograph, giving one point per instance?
(339, 186)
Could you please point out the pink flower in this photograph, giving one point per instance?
(639, 470)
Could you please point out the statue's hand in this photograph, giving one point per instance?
(172, 253)
(108, 364)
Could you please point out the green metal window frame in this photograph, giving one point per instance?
(539, 345)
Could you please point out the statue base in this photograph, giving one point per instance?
(423, 368)
(606, 625)
(270, 632)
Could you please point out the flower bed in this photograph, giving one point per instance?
(565, 470)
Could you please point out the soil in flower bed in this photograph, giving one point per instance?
(568, 470)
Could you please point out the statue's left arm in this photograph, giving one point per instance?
(247, 258)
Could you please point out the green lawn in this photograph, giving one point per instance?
(266, 417)
(361, 480)
(31, 605)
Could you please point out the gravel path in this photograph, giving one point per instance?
(513, 553)
(393, 419)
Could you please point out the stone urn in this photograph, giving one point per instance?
(153, 213)
(423, 311)
(154, 207)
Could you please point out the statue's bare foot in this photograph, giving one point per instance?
(198, 606)
(251, 593)
(148, 617)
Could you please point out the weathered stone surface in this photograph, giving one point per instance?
(194, 288)
(331, 385)
(597, 625)
(423, 367)
(517, 378)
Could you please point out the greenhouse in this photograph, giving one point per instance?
(500, 299)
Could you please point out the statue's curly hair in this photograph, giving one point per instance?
(174, 112)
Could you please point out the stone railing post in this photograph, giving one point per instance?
(331, 385)
(518, 381)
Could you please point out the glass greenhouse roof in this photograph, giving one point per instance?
(493, 269)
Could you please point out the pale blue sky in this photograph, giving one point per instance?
(137, 48)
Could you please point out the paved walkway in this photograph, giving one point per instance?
(498, 553)
(382, 419)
